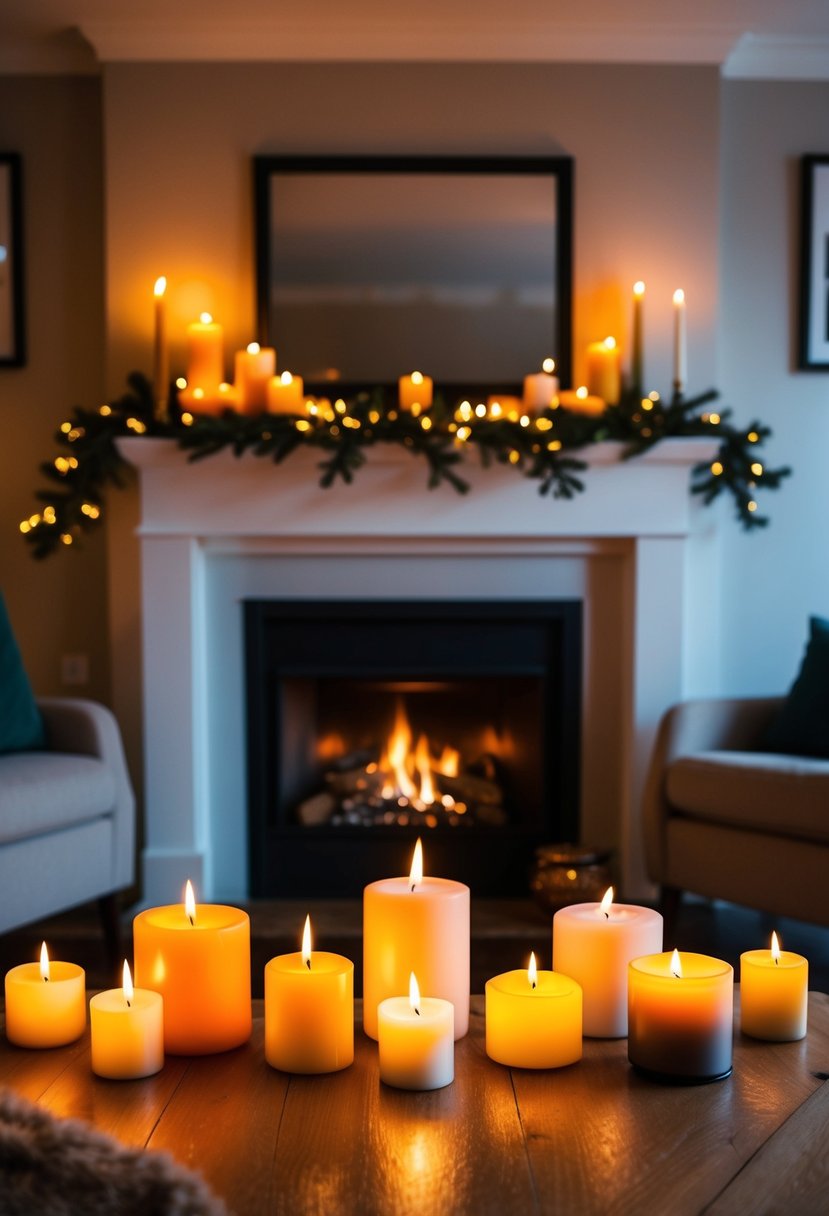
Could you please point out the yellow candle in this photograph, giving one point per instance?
(680, 342)
(774, 993)
(416, 924)
(580, 401)
(415, 392)
(205, 357)
(309, 1010)
(285, 394)
(199, 960)
(127, 1029)
(593, 943)
(45, 1003)
(253, 368)
(533, 1019)
(541, 389)
(416, 1040)
(161, 362)
(603, 374)
(680, 1016)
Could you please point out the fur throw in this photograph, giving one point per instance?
(62, 1167)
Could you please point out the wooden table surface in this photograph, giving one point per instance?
(592, 1138)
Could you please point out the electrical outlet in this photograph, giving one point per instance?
(74, 669)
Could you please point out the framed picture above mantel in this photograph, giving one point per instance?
(814, 263)
(12, 338)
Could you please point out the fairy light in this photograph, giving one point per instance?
(463, 433)
(105, 411)
(135, 424)
(554, 445)
(751, 505)
(480, 410)
(66, 427)
(524, 420)
(66, 538)
(339, 405)
(302, 424)
(181, 382)
(716, 468)
(496, 409)
(425, 422)
(62, 465)
(548, 366)
(757, 469)
(49, 515)
(543, 424)
(753, 437)
(374, 417)
(186, 419)
(88, 509)
(514, 456)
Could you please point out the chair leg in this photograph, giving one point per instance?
(671, 898)
(109, 911)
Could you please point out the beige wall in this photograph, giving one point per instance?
(57, 606)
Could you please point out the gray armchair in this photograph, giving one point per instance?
(67, 819)
(725, 819)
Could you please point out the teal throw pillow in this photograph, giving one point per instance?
(21, 726)
(801, 728)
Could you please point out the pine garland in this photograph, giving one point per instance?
(551, 449)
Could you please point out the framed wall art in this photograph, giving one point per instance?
(12, 337)
(814, 264)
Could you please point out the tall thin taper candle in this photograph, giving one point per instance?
(636, 375)
(680, 343)
(161, 359)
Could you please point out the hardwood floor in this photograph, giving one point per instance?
(503, 933)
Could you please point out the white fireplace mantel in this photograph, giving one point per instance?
(635, 547)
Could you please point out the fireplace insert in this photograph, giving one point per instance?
(372, 723)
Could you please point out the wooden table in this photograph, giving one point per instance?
(593, 1138)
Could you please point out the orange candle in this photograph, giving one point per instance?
(533, 1019)
(199, 960)
(309, 1010)
(603, 374)
(285, 394)
(580, 401)
(127, 1030)
(416, 924)
(45, 1003)
(205, 361)
(253, 368)
(415, 392)
(774, 994)
(161, 362)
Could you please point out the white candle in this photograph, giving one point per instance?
(416, 924)
(416, 1040)
(161, 365)
(680, 342)
(127, 1027)
(541, 389)
(593, 943)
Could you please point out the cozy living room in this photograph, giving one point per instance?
(414, 608)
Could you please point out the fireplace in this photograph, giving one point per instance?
(370, 723)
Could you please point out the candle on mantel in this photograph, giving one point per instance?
(533, 1019)
(161, 361)
(636, 367)
(416, 1040)
(127, 1030)
(45, 1003)
(774, 994)
(580, 401)
(253, 368)
(205, 355)
(680, 342)
(603, 373)
(415, 392)
(680, 1016)
(416, 924)
(593, 944)
(284, 394)
(541, 388)
(309, 1010)
(199, 960)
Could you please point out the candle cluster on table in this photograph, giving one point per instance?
(610, 978)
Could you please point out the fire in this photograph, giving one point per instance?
(411, 773)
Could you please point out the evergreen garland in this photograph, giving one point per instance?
(552, 448)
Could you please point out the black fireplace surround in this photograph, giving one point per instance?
(503, 670)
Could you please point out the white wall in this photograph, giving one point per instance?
(774, 580)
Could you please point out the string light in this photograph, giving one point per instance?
(302, 424)
(757, 469)
(105, 411)
(426, 423)
(543, 424)
(753, 437)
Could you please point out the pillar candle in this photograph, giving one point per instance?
(253, 368)
(45, 1003)
(199, 960)
(285, 394)
(309, 1010)
(680, 342)
(533, 1019)
(580, 401)
(603, 373)
(416, 924)
(541, 389)
(593, 943)
(205, 355)
(416, 1040)
(161, 360)
(774, 994)
(415, 391)
(127, 1030)
(680, 1016)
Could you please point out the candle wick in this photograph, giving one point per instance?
(417, 1011)
(607, 916)
(129, 1003)
(308, 963)
(777, 962)
(46, 979)
(190, 918)
(535, 983)
(414, 885)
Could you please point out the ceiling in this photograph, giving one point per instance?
(784, 39)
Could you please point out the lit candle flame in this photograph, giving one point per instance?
(609, 343)
(253, 348)
(160, 286)
(126, 983)
(416, 872)
(548, 366)
(581, 392)
(286, 378)
(607, 900)
(306, 943)
(639, 288)
(676, 966)
(44, 963)
(532, 971)
(190, 903)
(414, 993)
(417, 377)
(775, 949)
(679, 296)
(206, 318)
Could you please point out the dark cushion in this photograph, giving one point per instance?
(801, 728)
(21, 726)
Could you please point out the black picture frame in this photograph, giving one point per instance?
(813, 352)
(269, 170)
(12, 328)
